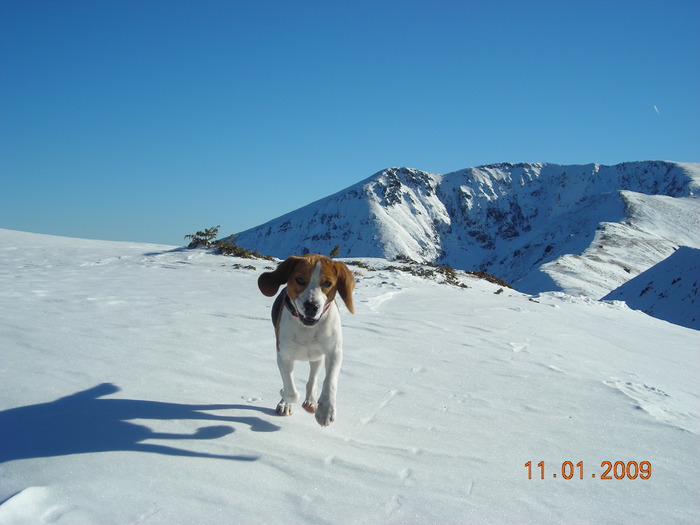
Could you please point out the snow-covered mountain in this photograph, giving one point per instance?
(583, 229)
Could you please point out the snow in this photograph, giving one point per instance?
(670, 290)
(138, 382)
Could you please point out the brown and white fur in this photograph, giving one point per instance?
(308, 327)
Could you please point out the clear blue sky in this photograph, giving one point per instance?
(147, 120)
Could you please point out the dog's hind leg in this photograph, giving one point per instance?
(289, 393)
(309, 403)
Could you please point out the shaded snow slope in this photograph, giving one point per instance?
(137, 385)
(653, 228)
(539, 226)
(669, 290)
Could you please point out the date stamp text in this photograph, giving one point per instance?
(608, 470)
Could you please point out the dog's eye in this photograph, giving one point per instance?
(300, 281)
(327, 284)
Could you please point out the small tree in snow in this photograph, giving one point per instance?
(205, 238)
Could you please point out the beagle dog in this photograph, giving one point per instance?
(307, 327)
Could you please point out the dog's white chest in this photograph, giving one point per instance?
(303, 343)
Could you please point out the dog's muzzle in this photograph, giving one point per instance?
(308, 318)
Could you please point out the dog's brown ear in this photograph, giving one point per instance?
(270, 282)
(346, 284)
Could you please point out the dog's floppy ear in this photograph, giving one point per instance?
(270, 282)
(346, 284)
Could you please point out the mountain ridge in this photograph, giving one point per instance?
(584, 229)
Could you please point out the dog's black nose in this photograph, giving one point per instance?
(310, 308)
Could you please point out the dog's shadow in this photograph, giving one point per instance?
(83, 422)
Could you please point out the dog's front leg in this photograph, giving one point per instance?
(289, 393)
(309, 403)
(325, 413)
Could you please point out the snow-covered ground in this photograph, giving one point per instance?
(138, 382)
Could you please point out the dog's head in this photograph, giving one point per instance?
(312, 282)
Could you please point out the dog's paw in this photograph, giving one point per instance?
(309, 406)
(284, 408)
(325, 414)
